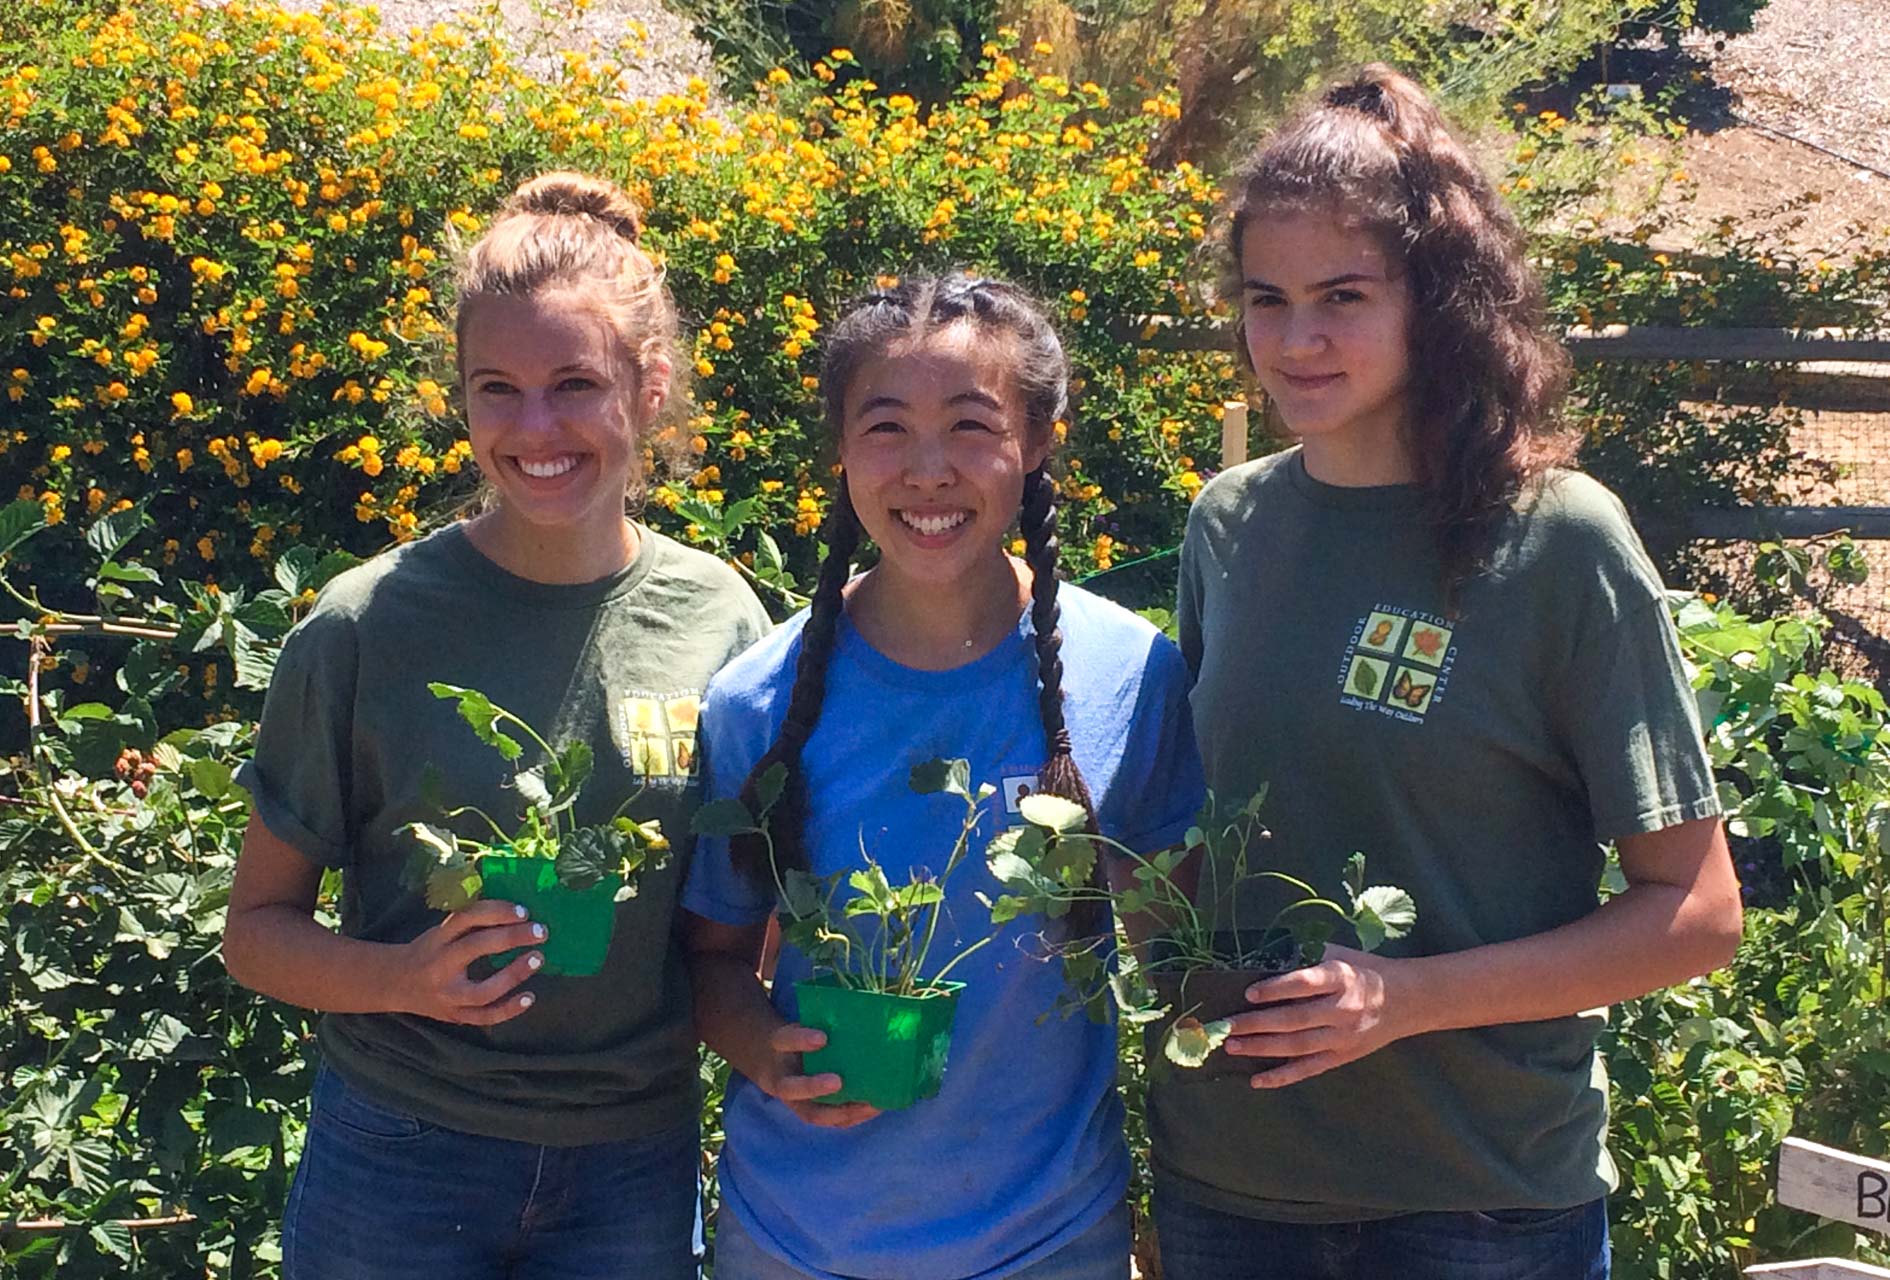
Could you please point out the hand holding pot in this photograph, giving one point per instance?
(1321, 1017)
(789, 1041)
(431, 978)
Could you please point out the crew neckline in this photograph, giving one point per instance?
(980, 671)
(1339, 497)
(552, 595)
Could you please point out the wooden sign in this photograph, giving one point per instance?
(1818, 1269)
(1835, 1184)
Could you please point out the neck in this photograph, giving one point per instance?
(561, 556)
(1363, 457)
(937, 626)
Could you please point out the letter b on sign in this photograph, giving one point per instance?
(1873, 1195)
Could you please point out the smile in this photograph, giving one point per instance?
(932, 524)
(1309, 382)
(550, 468)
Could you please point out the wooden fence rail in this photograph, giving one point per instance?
(1719, 367)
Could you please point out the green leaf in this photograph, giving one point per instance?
(255, 663)
(1009, 907)
(574, 763)
(588, 854)
(453, 888)
(478, 711)
(728, 817)
(211, 777)
(127, 572)
(295, 568)
(1190, 1041)
(109, 534)
(20, 520)
(1391, 912)
(950, 776)
(768, 787)
(1053, 813)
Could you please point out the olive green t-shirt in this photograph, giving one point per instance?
(350, 732)
(1479, 761)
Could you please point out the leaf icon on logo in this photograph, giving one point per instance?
(1364, 679)
(1427, 641)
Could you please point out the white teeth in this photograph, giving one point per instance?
(933, 525)
(546, 470)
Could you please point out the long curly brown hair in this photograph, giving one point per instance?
(1487, 376)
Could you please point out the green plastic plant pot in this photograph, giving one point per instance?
(888, 1050)
(578, 922)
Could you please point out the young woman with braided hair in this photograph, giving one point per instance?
(1441, 650)
(944, 396)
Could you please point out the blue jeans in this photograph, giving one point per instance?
(1100, 1253)
(1199, 1243)
(381, 1195)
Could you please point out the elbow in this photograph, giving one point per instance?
(1718, 926)
(238, 953)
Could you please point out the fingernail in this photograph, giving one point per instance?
(534, 960)
(518, 911)
(526, 1001)
(538, 930)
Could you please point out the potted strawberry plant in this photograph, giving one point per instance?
(568, 877)
(886, 1007)
(1197, 968)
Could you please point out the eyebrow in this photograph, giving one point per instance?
(963, 397)
(1350, 278)
(561, 369)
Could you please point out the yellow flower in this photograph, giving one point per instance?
(181, 404)
(60, 452)
(184, 459)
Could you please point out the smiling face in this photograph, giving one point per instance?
(1328, 317)
(936, 446)
(553, 411)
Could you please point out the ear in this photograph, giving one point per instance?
(653, 383)
(1037, 452)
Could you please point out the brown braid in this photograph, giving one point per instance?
(1060, 776)
(787, 820)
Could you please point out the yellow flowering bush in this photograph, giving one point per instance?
(224, 236)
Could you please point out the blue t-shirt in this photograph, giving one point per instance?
(1022, 1149)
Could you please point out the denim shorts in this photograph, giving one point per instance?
(1100, 1253)
(1199, 1243)
(381, 1195)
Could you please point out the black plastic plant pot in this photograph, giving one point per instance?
(1209, 994)
(888, 1050)
(578, 922)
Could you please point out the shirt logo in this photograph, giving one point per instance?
(657, 734)
(1397, 663)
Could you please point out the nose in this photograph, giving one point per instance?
(1302, 335)
(534, 411)
(929, 462)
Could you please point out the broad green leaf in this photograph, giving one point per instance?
(127, 572)
(295, 569)
(1010, 869)
(1008, 907)
(768, 787)
(923, 893)
(1053, 812)
(255, 663)
(109, 534)
(574, 765)
(934, 776)
(588, 854)
(727, 817)
(1392, 911)
(453, 888)
(20, 520)
(211, 777)
(478, 711)
(1190, 1041)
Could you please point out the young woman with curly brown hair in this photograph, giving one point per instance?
(1438, 648)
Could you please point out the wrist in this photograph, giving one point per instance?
(1411, 996)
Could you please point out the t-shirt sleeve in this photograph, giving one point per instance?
(733, 737)
(1159, 788)
(300, 774)
(1632, 725)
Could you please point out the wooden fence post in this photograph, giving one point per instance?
(1233, 433)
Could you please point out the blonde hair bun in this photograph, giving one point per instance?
(569, 194)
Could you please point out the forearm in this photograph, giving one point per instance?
(733, 1014)
(1649, 936)
(283, 952)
